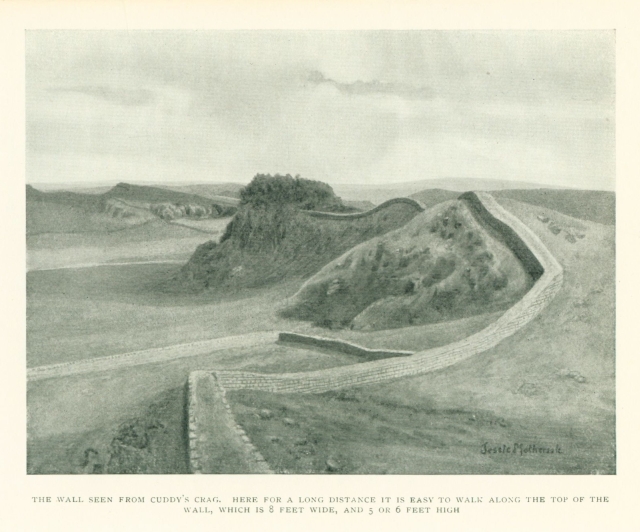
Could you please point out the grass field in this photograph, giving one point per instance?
(440, 266)
(153, 240)
(67, 416)
(74, 314)
(550, 384)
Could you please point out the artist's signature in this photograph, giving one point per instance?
(520, 449)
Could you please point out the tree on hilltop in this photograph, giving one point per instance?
(307, 194)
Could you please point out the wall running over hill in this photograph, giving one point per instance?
(419, 206)
(536, 258)
(505, 233)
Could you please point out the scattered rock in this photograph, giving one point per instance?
(288, 422)
(332, 465)
(529, 389)
(582, 302)
(554, 228)
(265, 414)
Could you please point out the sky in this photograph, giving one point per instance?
(341, 107)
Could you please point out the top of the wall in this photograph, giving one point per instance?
(419, 206)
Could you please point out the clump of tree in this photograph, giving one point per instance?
(265, 190)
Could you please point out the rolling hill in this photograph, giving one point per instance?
(280, 232)
(550, 384)
(441, 265)
(592, 205)
(118, 208)
(380, 192)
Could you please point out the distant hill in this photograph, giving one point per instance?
(441, 265)
(154, 195)
(218, 191)
(207, 190)
(119, 207)
(378, 193)
(62, 197)
(360, 205)
(71, 212)
(433, 196)
(593, 205)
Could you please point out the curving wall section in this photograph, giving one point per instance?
(514, 233)
(418, 205)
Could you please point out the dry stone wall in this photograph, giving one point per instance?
(542, 265)
(217, 443)
(419, 206)
(543, 291)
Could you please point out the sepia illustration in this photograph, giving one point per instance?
(320, 252)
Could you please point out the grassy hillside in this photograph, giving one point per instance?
(381, 192)
(70, 212)
(442, 265)
(153, 194)
(266, 244)
(592, 205)
(230, 191)
(271, 238)
(550, 384)
(152, 241)
(119, 208)
(434, 196)
(360, 205)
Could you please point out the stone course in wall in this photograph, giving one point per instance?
(538, 260)
(217, 443)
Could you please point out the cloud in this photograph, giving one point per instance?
(117, 95)
(375, 86)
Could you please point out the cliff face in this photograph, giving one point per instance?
(267, 243)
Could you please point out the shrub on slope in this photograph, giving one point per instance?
(271, 238)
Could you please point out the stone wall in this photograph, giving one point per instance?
(543, 291)
(217, 443)
(419, 206)
(515, 234)
(504, 233)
